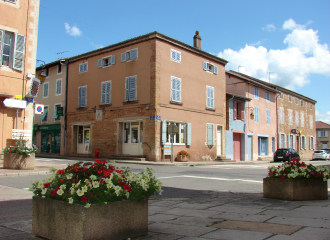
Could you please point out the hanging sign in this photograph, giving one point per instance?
(34, 87)
(14, 103)
(98, 115)
(59, 111)
(38, 109)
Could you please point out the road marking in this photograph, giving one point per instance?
(211, 178)
(234, 166)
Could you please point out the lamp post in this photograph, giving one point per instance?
(42, 75)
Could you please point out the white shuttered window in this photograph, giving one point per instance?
(176, 89)
(105, 92)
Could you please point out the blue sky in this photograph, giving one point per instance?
(290, 39)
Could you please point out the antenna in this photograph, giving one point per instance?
(239, 67)
(61, 53)
(269, 75)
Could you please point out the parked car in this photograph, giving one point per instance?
(285, 154)
(320, 154)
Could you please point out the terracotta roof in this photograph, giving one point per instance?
(320, 124)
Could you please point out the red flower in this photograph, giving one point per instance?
(127, 188)
(60, 171)
(61, 180)
(74, 180)
(46, 185)
(123, 175)
(282, 177)
(9, 150)
(119, 171)
(107, 172)
(84, 199)
(319, 175)
(54, 191)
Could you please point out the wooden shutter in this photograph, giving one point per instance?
(103, 92)
(178, 89)
(242, 111)
(113, 59)
(210, 137)
(123, 57)
(132, 89)
(205, 66)
(133, 54)
(164, 131)
(235, 110)
(1, 44)
(284, 141)
(83, 97)
(305, 143)
(19, 52)
(85, 67)
(99, 63)
(127, 89)
(301, 140)
(211, 97)
(215, 69)
(188, 133)
(108, 91)
(81, 68)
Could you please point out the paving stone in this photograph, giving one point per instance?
(283, 237)
(191, 212)
(165, 203)
(322, 223)
(258, 227)
(22, 236)
(296, 214)
(195, 205)
(318, 209)
(230, 234)
(193, 221)
(281, 207)
(194, 238)
(242, 210)
(182, 230)
(161, 217)
(158, 236)
(248, 204)
(243, 217)
(157, 209)
(5, 232)
(23, 225)
(312, 233)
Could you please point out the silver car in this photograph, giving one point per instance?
(320, 154)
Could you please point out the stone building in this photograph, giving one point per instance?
(123, 100)
(18, 46)
(323, 135)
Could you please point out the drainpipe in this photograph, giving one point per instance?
(65, 105)
(277, 142)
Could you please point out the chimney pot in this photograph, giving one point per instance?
(197, 41)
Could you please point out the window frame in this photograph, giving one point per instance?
(175, 55)
(209, 67)
(297, 118)
(209, 97)
(302, 119)
(311, 121)
(45, 115)
(290, 116)
(301, 103)
(127, 55)
(179, 133)
(56, 87)
(59, 68)
(43, 90)
(55, 107)
(267, 96)
(290, 98)
(80, 92)
(297, 101)
(281, 115)
(176, 92)
(105, 94)
(83, 67)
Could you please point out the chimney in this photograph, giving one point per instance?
(197, 41)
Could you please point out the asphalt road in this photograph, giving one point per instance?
(225, 177)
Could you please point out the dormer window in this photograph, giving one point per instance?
(106, 61)
(210, 67)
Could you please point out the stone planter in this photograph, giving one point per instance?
(53, 219)
(18, 161)
(295, 189)
(181, 158)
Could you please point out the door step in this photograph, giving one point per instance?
(128, 157)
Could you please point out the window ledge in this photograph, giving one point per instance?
(210, 109)
(105, 105)
(81, 108)
(177, 103)
(130, 102)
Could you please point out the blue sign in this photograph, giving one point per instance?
(158, 117)
(152, 117)
(29, 99)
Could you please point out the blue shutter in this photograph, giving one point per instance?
(164, 132)
(19, 52)
(42, 117)
(178, 56)
(85, 67)
(1, 44)
(99, 63)
(188, 133)
(82, 97)
(133, 54)
(208, 102)
(173, 88)
(55, 113)
(123, 57)
(108, 92)
(210, 137)
(178, 89)
(205, 66)
(212, 97)
(215, 69)
(79, 96)
(113, 59)
(81, 68)
(45, 94)
(103, 93)
(173, 55)
(132, 89)
(127, 89)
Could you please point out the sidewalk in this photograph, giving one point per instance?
(191, 215)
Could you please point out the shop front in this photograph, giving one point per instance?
(50, 141)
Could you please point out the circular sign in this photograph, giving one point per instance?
(39, 109)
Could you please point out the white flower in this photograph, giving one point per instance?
(87, 205)
(108, 180)
(43, 191)
(117, 188)
(117, 193)
(93, 177)
(80, 192)
(159, 183)
(49, 179)
(127, 195)
(109, 185)
(96, 184)
(84, 188)
(63, 186)
(40, 185)
(72, 190)
(86, 181)
(70, 200)
(69, 176)
(60, 192)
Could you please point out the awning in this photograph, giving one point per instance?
(43, 116)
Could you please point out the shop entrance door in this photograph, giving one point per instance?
(132, 138)
(83, 143)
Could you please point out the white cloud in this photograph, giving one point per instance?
(291, 66)
(290, 24)
(269, 28)
(72, 31)
(324, 117)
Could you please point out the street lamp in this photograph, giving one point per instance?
(42, 75)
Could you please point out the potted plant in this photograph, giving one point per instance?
(183, 156)
(296, 181)
(19, 156)
(93, 201)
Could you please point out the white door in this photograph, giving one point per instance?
(83, 139)
(132, 141)
(219, 141)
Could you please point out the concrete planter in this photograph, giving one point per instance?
(181, 158)
(295, 189)
(53, 219)
(18, 161)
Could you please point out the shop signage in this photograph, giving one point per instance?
(59, 111)
(21, 134)
(34, 87)
(14, 103)
(47, 127)
(158, 117)
(18, 97)
(98, 115)
(152, 117)
(38, 109)
(294, 131)
(167, 149)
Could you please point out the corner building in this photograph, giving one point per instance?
(122, 98)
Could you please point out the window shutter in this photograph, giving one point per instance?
(55, 113)
(284, 141)
(123, 57)
(113, 59)
(301, 141)
(326, 133)
(305, 143)
(133, 54)
(242, 111)
(85, 65)
(173, 84)
(42, 117)
(99, 63)
(235, 110)
(188, 133)
(127, 89)
(173, 55)
(79, 97)
(83, 97)
(178, 89)
(19, 51)
(289, 142)
(205, 66)
(103, 93)
(178, 56)
(81, 68)
(1, 44)
(58, 87)
(210, 135)
(132, 89)
(310, 143)
(215, 69)
(319, 133)
(45, 90)
(212, 96)
(164, 132)
(108, 91)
